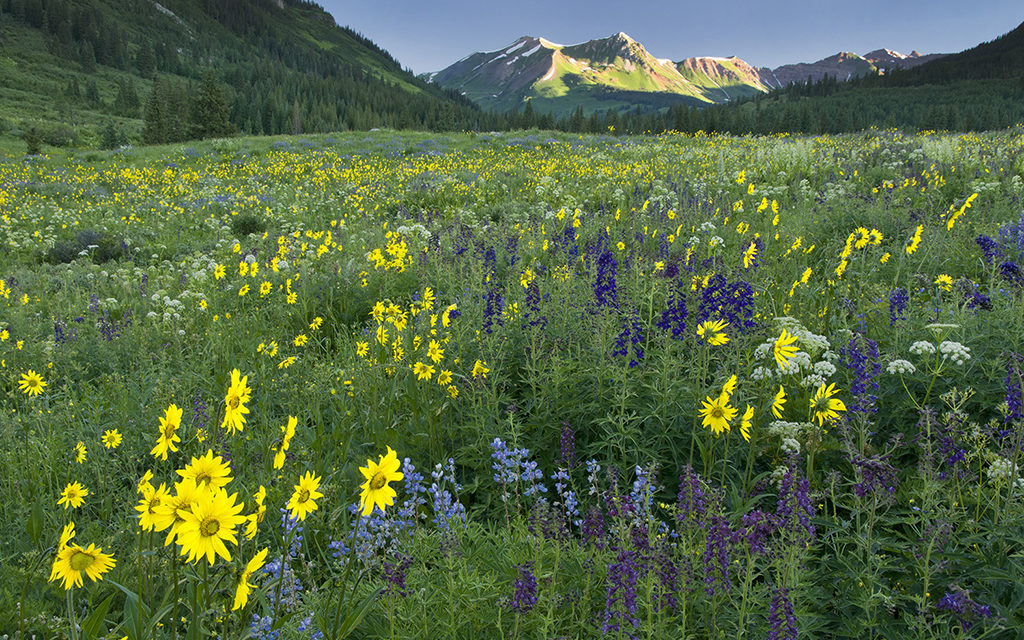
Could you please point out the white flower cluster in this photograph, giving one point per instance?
(955, 351)
(1001, 471)
(790, 433)
(922, 347)
(802, 365)
(900, 367)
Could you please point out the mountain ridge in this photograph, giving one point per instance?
(599, 74)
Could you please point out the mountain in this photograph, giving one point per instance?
(981, 88)
(71, 68)
(618, 73)
(610, 73)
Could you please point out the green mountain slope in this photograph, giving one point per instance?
(70, 67)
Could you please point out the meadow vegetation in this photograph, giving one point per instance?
(518, 385)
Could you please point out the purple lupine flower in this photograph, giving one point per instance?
(531, 313)
(394, 576)
(693, 501)
(975, 299)
(506, 466)
(444, 491)
(632, 333)
(566, 496)
(667, 571)
(604, 285)
(1011, 272)
(781, 620)
(964, 610)
(409, 513)
(758, 530)
(875, 474)
(592, 529)
(794, 507)
(620, 604)
(94, 303)
(567, 441)
(524, 596)
(716, 555)
(547, 522)
(200, 415)
(494, 305)
(860, 356)
(1014, 384)
(673, 318)
(989, 248)
(898, 300)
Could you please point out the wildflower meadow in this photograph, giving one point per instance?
(520, 385)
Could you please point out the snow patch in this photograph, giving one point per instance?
(532, 51)
(515, 47)
(548, 43)
(549, 74)
(512, 60)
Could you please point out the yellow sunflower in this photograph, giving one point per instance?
(234, 402)
(288, 432)
(168, 432)
(169, 513)
(717, 414)
(151, 499)
(242, 590)
(824, 406)
(783, 348)
(208, 525)
(778, 402)
(72, 561)
(376, 491)
(111, 438)
(73, 495)
(207, 470)
(31, 383)
(712, 332)
(302, 502)
(746, 422)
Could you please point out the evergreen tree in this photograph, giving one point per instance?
(210, 112)
(154, 119)
(145, 62)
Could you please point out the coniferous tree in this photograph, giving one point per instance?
(154, 118)
(210, 112)
(145, 62)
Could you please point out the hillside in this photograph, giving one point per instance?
(71, 67)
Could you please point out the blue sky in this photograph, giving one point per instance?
(428, 36)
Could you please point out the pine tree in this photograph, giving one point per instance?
(153, 119)
(211, 117)
(145, 61)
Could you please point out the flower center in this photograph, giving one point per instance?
(303, 496)
(717, 412)
(203, 478)
(209, 527)
(81, 561)
(377, 481)
(233, 402)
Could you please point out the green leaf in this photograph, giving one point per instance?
(34, 525)
(93, 626)
(356, 615)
